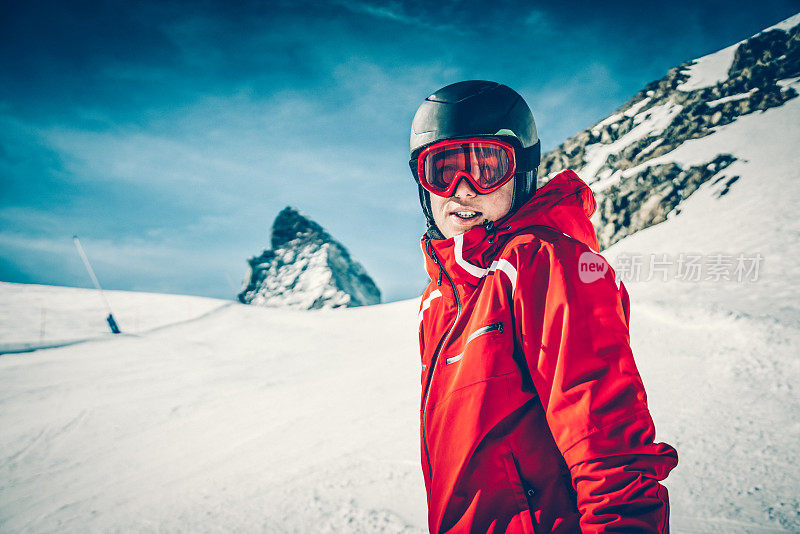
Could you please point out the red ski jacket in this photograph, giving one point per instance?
(533, 415)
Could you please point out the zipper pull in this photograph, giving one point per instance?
(440, 277)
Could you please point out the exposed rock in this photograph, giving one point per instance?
(660, 118)
(647, 197)
(306, 269)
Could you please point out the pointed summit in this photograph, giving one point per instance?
(306, 268)
(290, 224)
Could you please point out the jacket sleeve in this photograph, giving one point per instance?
(573, 327)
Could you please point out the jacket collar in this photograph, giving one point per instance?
(565, 203)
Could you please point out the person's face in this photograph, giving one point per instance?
(467, 208)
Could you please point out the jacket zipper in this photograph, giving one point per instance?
(434, 359)
(484, 330)
(479, 332)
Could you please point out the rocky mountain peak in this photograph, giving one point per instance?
(290, 224)
(626, 157)
(306, 268)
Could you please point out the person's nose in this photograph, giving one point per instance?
(464, 189)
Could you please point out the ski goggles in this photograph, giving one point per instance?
(487, 164)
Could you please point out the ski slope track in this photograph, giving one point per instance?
(245, 419)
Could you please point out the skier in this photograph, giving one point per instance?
(533, 415)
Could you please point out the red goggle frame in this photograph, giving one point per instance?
(487, 164)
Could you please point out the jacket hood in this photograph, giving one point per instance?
(565, 203)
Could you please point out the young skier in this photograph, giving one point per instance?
(533, 415)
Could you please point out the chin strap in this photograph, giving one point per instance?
(528, 160)
(425, 201)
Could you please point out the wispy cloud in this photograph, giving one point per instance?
(395, 12)
(538, 20)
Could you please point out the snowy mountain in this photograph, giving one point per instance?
(306, 269)
(626, 156)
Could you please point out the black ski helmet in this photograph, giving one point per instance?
(478, 108)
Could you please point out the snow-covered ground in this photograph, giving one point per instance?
(245, 419)
(711, 69)
(649, 122)
(757, 215)
(35, 316)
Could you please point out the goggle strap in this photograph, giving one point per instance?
(529, 158)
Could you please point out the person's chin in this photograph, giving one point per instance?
(456, 225)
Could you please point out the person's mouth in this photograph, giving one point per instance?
(466, 215)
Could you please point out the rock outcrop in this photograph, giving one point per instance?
(624, 158)
(306, 269)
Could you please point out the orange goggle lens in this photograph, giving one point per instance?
(486, 163)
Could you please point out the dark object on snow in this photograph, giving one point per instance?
(306, 269)
(113, 324)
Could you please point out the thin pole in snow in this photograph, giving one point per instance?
(41, 326)
(110, 319)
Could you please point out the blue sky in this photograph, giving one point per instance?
(168, 135)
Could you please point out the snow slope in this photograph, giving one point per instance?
(254, 419)
(623, 157)
(246, 419)
(41, 316)
(709, 70)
